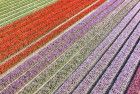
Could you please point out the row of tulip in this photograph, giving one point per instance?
(50, 51)
(57, 80)
(83, 69)
(4, 67)
(22, 11)
(97, 72)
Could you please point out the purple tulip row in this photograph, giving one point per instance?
(111, 72)
(101, 65)
(23, 66)
(126, 74)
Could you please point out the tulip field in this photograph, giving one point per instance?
(69, 47)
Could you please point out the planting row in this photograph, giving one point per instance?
(83, 69)
(46, 38)
(48, 51)
(22, 11)
(51, 51)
